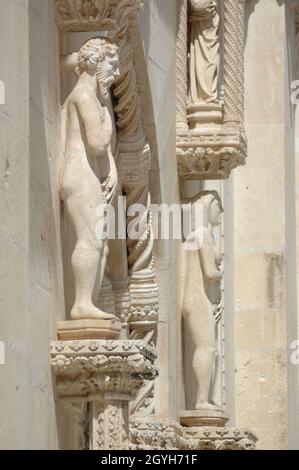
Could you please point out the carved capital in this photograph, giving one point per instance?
(210, 156)
(94, 15)
(109, 375)
(152, 434)
(86, 369)
(158, 435)
(213, 438)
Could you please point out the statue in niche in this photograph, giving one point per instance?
(204, 51)
(201, 303)
(89, 175)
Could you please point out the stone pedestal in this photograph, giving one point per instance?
(89, 329)
(203, 417)
(108, 374)
(204, 114)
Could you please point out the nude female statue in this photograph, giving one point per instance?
(204, 51)
(202, 295)
(89, 176)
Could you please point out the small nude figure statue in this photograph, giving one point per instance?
(202, 296)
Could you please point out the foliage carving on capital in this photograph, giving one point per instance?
(95, 367)
(95, 15)
(159, 435)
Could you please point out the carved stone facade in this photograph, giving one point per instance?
(120, 119)
(108, 375)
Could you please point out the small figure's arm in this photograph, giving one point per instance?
(208, 258)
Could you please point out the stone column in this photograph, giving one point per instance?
(135, 160)
(108, 374)
(110, 422)
(234, 63)
(181, 71)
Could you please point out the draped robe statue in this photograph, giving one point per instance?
(204, 51)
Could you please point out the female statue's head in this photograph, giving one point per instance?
(212, 208)
(206, 213)
(99, 56)
(209, 205)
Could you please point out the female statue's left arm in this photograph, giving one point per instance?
(208, 258)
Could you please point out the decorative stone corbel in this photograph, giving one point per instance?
(108, 375)
(209, 147)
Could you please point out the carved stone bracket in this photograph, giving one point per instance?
(94, 15)
(210, 156)
(108, 374)
(157, 435)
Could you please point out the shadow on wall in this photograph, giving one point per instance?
(45, 294)
(249, 9)
(155, 14)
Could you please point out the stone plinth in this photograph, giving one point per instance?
(204, 114)
(108, 374)
(203, 417)
(89, 329)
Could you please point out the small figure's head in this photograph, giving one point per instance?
(211, 205)
(206, 213)
(99, 56)
(216, 209)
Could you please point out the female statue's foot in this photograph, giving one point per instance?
(206, 406)
(90, 312)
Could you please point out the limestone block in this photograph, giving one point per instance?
(260, 280)
(89, 329)
(262, 388)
